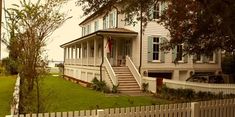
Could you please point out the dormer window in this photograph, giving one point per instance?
(88, 29)
(157, 9)
(112, 19)
(109, 21)
(83, 31)
(105, 22)
(96, 26)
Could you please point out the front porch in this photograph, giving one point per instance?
(91, 49)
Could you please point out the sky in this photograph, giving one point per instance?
(70, 30)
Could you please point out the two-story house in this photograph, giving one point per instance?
(111, 50)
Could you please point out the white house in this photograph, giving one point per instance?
(111, 50)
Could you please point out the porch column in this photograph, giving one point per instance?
(95, 49)
(88, 50)
(104, 48)
(81, 49)
(76, 55)
(76, 51)
(72, 52)
(65, 52)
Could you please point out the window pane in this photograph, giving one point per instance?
(180, 52)
(198, 57)
(156, 11)
(211, 58)
(156, 39)
(155, 56)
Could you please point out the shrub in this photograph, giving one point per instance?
(100, 85)
(190, 95)
(145, 87)
(115, 88)
(11, 66)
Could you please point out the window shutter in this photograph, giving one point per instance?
(174, 54)
(150, 49)
(162, 52)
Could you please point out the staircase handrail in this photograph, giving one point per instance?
(133, 70)
(110, 71)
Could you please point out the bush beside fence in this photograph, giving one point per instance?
(204, 87)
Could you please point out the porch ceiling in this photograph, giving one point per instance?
(114, 32)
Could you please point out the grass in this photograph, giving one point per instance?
(62, 95)
(6, 90)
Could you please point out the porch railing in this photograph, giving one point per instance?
(90, 60)
(110, 71)
(133, 70)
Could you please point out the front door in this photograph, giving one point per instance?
(124, 49)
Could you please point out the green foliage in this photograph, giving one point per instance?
(100, 85)
(183, 95)
(7, 84)
(145, 87)
(10, 65)
(115, 88)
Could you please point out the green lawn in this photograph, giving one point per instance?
(7, 84)
(62, 95)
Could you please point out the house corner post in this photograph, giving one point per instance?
(195, 112)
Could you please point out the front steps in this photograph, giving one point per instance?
(127, 82)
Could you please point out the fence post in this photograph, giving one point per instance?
(195, 109)
(100, 113)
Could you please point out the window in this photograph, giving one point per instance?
(156, 11)
(88, 29)
(198, 58)
(180, 52)
(112, 19)
(83, 31)
(105, 22)
(211, 57)
(96, 26)
(156, 48)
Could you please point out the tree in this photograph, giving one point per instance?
(29, 25)
(202, 25)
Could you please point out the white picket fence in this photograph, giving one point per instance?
(205, 87)
(216, 108)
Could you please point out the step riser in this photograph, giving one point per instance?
(127, 82)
